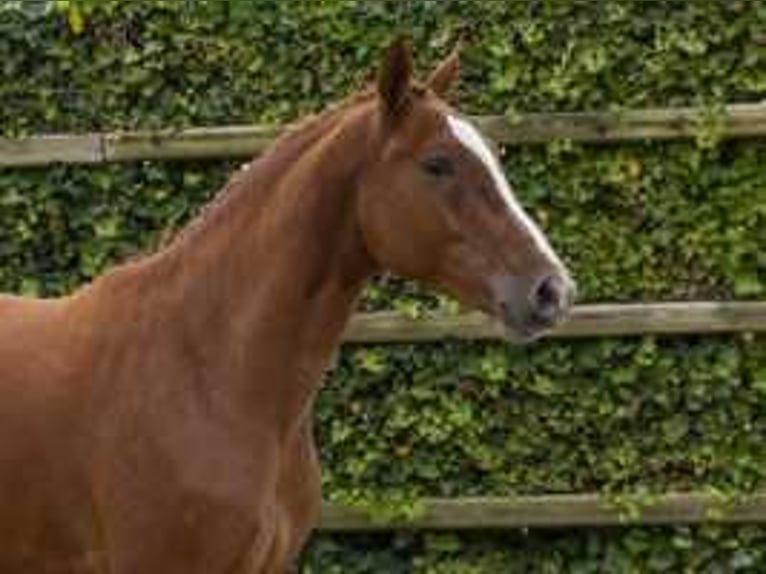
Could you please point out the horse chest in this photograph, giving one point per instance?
(293, 514)
(299, 491)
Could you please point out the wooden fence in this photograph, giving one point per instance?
(557, 511)
(733, 121)
(667, 318)
(564, 511)
(586, 321)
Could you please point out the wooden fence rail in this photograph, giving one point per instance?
(734, 121)
(586, 321)
(556, 511)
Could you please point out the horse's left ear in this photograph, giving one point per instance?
(444, 76)
(395, 78)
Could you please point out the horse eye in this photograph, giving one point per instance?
(437, 166)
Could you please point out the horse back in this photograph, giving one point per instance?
(37, 344)
(39, 415)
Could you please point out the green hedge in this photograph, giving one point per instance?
(651, 550)
(639, 221)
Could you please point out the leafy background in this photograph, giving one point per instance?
(639, 221)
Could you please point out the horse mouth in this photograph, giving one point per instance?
(523, 331)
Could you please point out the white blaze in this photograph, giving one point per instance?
(470, 137)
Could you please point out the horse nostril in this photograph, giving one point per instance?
(549, 299)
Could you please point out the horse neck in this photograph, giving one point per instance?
(258, 295)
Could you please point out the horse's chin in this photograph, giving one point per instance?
(516, 335)
(514, 330)
(518, 332)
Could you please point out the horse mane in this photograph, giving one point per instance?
(293, 140)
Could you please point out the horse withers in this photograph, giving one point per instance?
(158, 420)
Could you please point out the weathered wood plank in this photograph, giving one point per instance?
(45, 150)
(586, 321)
(229, 141)
(556, 511)
(736, 121)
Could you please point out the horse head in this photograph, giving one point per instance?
(436, 206)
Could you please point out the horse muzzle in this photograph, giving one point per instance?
(530, 307)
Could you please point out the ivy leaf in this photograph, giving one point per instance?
(747, 285)
(75, 19)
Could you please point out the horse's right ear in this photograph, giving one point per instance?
(445, 74)
(395, 79)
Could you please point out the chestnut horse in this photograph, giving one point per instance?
(158, 420)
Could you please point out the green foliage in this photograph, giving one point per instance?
(638, 221)
(646, 415)
(705, 549)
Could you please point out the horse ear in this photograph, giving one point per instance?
(395, 78)
(444, 76)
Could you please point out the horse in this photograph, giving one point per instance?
(159, 418)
